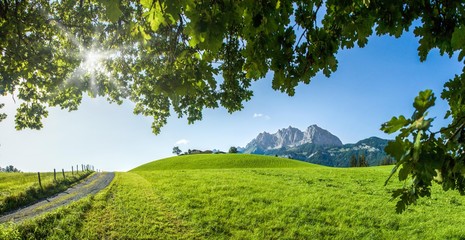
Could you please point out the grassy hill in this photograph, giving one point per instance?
(221, 161)
(166, 200)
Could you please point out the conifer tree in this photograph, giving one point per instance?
(362, 161)
(353, 161)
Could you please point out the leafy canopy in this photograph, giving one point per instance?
(185, 55)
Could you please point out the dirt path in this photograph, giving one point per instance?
(90, 185)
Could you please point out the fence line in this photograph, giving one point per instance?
(40, 182)
(84, 168)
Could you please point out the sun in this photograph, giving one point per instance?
(93, 61)
(93, 68)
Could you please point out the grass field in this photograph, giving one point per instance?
(14, 183)
(280, 199)
(20, 189)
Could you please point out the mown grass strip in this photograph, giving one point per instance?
(130, 209)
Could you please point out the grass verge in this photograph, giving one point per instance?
(35, 193)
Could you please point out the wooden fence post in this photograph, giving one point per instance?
(77, 169)
(55, 174)
(63, 171)
(72, 170)
(40, 182)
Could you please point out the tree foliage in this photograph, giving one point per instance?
(422, 156)
(177, 150)
(184, 56)
(362, 161)
(387, 161)
(9, 168)
(353, 161)
(232, 150)
(2, 115)
(359, 161)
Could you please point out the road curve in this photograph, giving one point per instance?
(90, 185)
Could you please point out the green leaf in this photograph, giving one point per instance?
(458, 38)
(142, 32)
(423, 101)
(394, 124)
(396, 149)
(366, 3)
(394, 170)
(400, 206)
(154, 16)
(422, 123)
(417, 146)
(404, 172)
(147, 3)
(112, 10)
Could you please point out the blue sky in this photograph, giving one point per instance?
(370, 86)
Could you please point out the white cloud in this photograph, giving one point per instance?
(182, 142)
(261, 115)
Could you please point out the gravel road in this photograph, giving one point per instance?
(90, 185)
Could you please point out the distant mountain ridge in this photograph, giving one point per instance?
(316, 145)
(292, 137)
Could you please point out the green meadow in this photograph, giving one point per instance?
(20, 189)
(247, 197)
(220, 161)
(15, 182)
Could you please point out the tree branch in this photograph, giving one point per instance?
(298, 42)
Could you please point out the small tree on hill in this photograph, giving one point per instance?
(176, 150)
(232, 150)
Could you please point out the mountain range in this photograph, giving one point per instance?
(316, 145)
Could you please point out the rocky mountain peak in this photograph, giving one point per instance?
(319, 136)
(292, 137)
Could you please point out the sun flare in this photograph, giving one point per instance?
(93, 61)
